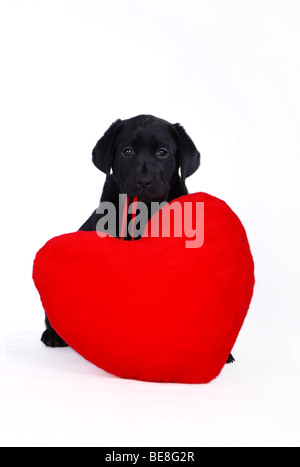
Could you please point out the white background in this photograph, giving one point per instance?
(229, 72)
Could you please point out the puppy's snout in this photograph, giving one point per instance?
(144, 182)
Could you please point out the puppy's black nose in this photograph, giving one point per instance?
(144, 182)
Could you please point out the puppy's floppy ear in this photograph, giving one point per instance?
(103, 151)
(189, 156)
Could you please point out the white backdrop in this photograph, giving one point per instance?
(229, 72)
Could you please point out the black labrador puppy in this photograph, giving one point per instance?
(144, 157)
(141, 158)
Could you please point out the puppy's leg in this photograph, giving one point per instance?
(230, 359)
(50, 337)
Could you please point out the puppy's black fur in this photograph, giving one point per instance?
(141, 157)
(144, 157)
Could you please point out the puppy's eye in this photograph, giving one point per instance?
(162, 153)
(127, 152)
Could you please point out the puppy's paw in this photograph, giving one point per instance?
(51, 339)
(230, 359)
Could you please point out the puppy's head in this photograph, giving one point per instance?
(145, 154)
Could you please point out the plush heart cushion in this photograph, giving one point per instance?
(151, 309)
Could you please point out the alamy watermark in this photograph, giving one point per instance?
(175, 219)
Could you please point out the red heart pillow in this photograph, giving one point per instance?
(151, 309)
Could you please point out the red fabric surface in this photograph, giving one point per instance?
(151, 309)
